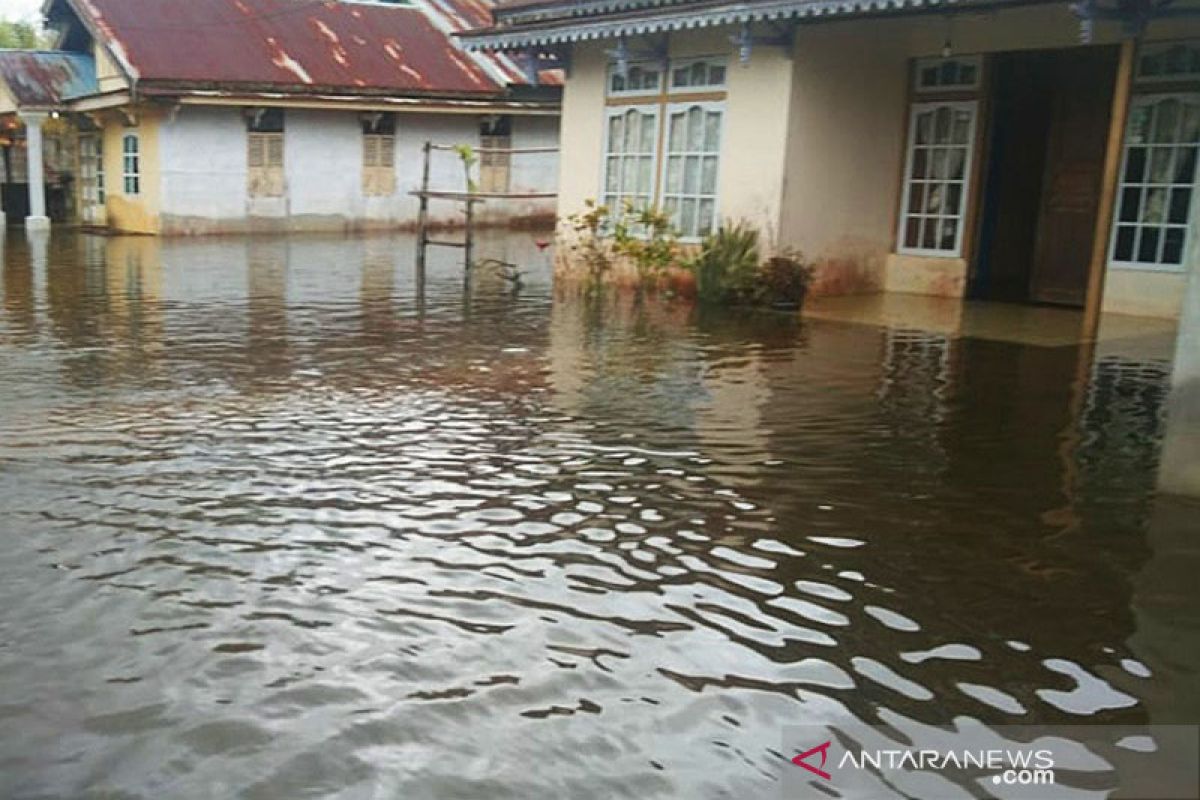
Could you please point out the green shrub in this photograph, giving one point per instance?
(645, 236)
(727, 264)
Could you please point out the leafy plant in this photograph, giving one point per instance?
(727, 264)
(589, 244)
(784, 279)
(646, 237)
(467, 154)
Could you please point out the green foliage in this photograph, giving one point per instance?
(467, 154)
(727, 263)
(20, 35)
(589, 243)
(728, 270)
(645, 237)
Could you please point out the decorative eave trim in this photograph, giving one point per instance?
(574, 29)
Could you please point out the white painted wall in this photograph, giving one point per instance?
(204, 171)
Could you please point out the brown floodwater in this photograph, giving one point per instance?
(279, 523)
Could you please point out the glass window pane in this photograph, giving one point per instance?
(708, 177)
(674, 174)
(1155, 209)
(939, 162)
(941, 131)
(611, 175)
(1135, 164)
(691, 175)
(675, 138)
(1180, 204)
(679, 77)
(688, 216)
(954, 198)
(935, 196)
(1139, 124)
(716, 75)
(1124, 248)
(929, 234)
(1173, 246)
(1130, 205)
(924, 127)
(1166, 121)
(929, 77)
(1148, 246)
(645, 174)
(1189, 130)
(649, 133)
(962, 127)
(920, 163)
(616, 134)
(949, 233)
(708, 210)
(956, 163)
(1185, 165)
(695, 126)
(916, 196)
(1160, 164)
(712, 132)
(912, 232)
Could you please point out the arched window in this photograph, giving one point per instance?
(131, 164)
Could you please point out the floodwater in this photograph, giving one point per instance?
(278, 525)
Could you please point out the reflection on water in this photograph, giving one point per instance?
(277, 525)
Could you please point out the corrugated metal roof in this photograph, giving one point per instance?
(299, 44)
(44, 79)
(522, 25)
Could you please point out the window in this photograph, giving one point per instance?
(131, 164)
(264, 143)
(696, 75)
(1169, 61)
(693, 152)
(637, 79)
(1158, 180)
(940, 74)
(936, 178)
(629, 156)
(379, 155)
(495, 133)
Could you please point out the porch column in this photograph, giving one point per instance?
(37, 219)
(1179, 467)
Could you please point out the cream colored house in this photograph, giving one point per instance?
(1016, 151)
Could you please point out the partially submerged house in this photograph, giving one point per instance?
(1015, 150)
(212, 116)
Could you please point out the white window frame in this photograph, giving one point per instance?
(655, 92)
(665, 138)
(1148, 48)
(675, 64)
(1188, 232)
(136, 174)
(975, 60)
(914, 110)
(655, 156)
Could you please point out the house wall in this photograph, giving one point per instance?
(205, 170)
(138, 213)
(848, 133)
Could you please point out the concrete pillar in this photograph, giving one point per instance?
(1179, 470)
(37, 219)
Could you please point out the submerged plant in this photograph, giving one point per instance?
(589, 244)
(784, 279)
(727, 264)
(646, 237)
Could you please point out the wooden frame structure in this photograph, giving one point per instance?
(469, 198)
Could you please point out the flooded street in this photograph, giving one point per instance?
(278, 525)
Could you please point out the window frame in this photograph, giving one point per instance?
(135, 174)
(706, 106)
(1148, 48)
(676, 63)
(915, 108)
(655, 108)
(975, 60)
(662, 66)
(1151, 99)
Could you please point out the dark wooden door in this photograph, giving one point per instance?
(1084, 79)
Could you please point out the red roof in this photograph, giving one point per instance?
(298, 44)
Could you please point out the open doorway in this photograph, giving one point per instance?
(1049, 130)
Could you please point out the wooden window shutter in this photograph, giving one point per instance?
(274, 149)
(370, 151)
(257, 154)
(387, 151)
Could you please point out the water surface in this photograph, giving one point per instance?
(278, 525)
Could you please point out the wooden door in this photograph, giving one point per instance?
(1084, 79)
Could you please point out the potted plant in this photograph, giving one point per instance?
(783, 281)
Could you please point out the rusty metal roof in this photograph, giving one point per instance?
(44, 79)
(300, 45)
